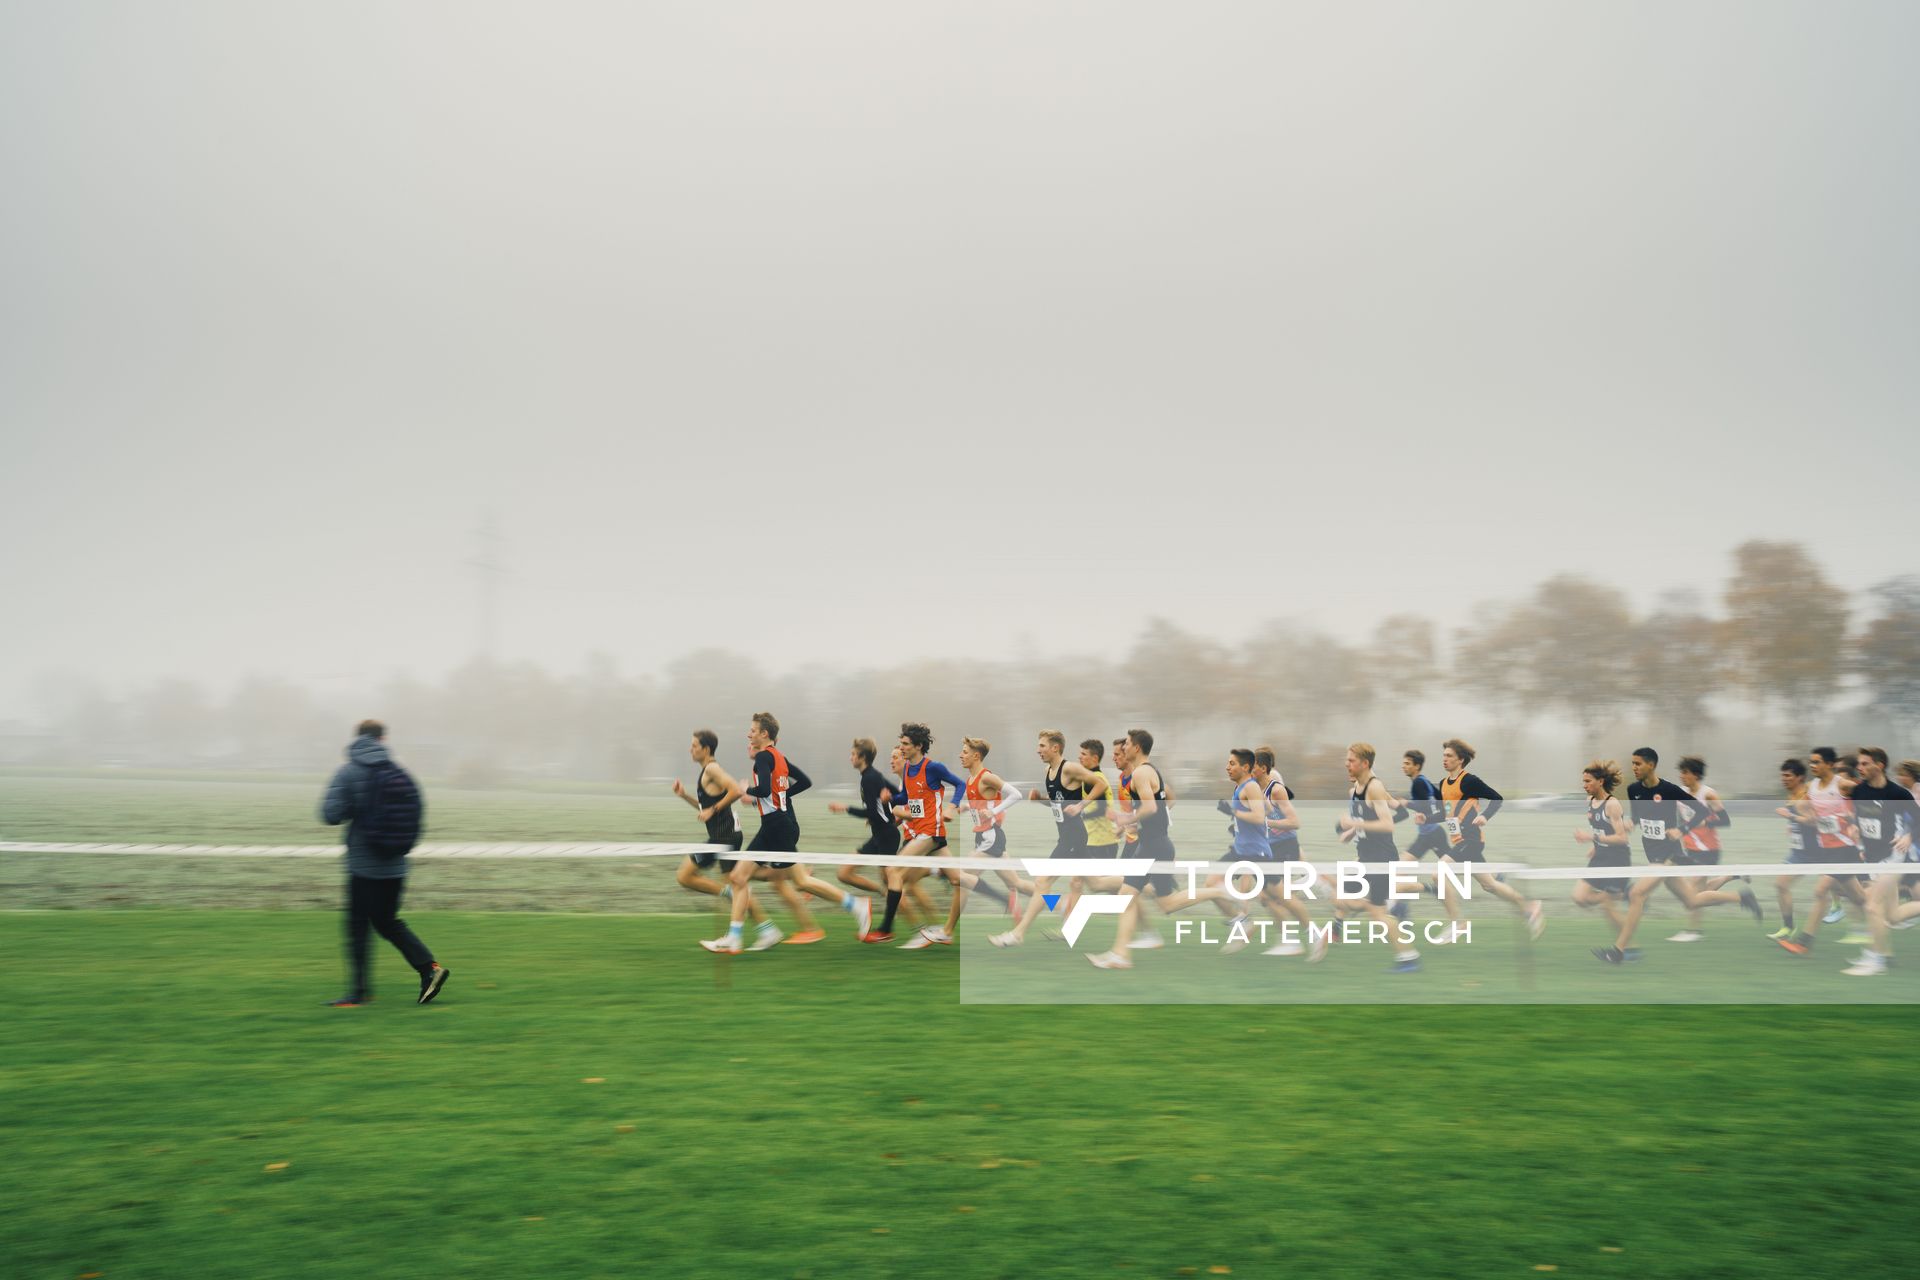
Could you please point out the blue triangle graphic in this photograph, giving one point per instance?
(1052, 900)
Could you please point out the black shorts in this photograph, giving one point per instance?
(1159, 847)
(991, 843)
(880, 844)
(1070, 844)
(711, 856)
(1668, 853)
(1616, 857)
(778, 833)
(1704, 857)
(1466, 851)
(1287, 850)
(1429, 840)
(1095, 851)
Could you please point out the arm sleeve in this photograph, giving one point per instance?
(337, 806)
(1010, 796)
(1721, 817)
(1472, 785)
(762, 777)
(800, 781)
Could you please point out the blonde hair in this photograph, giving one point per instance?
(979, 746)
(1054, 736)
(1364, 750)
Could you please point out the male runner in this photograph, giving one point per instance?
(988, 799)
(875, 809)
(1702, 843)
(1884, 811)
(1148, 819)
(1368, 826)
(713, 796)
(1663, 813)
(1468, 804)
(1833, 816)
(1606, 831)
(1068, 786)
(1283, 843)
(1424, 805)
(1803, 839)
(923, 814)
(1247, 807)
(776, 781)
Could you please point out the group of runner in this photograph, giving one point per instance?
(1847, 812)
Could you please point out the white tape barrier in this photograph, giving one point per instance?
(1034, 866)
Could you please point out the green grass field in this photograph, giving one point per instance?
(176, 1102)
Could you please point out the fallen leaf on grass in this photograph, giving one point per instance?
(882, 1231)
(1203, 1177)
(277, 1166)
(594, 1080)
(1219, 1271)
(623, 1128)
(1545, 1266)
(1611, 1248)
(963, 1208)
(533, 1218)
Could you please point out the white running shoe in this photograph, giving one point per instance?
(1235, 944)
(1148, 941)
(1318, 951)
(1834, 915)
(929, 936)
(862, 916)
(1285, 949)
(766, 939)
(1867, 966)
(1688, 935)
(1110, 960)
(724, 945)
(1536, 919)
(1007, 939)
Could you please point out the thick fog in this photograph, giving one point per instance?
(864, 335)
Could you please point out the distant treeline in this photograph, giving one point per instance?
(1782, 645)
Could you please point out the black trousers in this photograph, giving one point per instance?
(373, 907)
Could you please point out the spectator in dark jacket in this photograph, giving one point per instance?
(374, 881)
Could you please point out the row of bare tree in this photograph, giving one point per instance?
(1785, 646)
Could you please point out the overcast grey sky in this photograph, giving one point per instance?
(727, 309)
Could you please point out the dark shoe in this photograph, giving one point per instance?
(432, 980)
(1609, 955)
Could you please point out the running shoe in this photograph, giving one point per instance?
(1609, 955)
(1007, 939)
(805, 936)
(1783, 932)
(932, 935)
(767, 938)
(1409, 963)
(724, 945)
(1536, 919)
(877, 936)
(1855, 938)
(1751, 905)
(1285, 949)
(1398, 911)
(1798, 944)
(862, 916)
(1239, 943)
(432, 980)
(1146, 942)
(1631, 954)
(1834, 915)
(1688, 935)
(1110, 960)
(1317, 947)
(1867, 966)
(349, 1002)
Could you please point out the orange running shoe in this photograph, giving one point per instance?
(804, 936)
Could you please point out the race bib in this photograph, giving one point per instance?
(1829, 826)
(1795, 839)
(1653, 828)
(1453, 827)
(1870, 828)
(1059, 811)
(916, 808)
